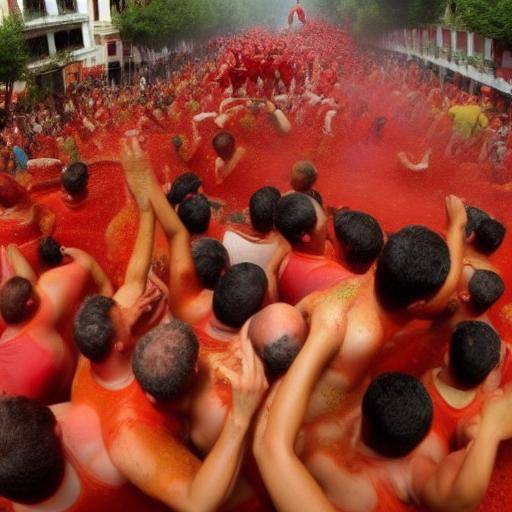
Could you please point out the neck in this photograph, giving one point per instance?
(315, 247)
(115, 372)
(219, 331)
(391, 321)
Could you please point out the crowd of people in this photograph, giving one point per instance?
(176, 346)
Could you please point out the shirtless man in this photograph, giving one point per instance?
(54, 459)
(184, 148)
(228, 155)
(304, 176)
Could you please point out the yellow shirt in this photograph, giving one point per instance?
(467, 119)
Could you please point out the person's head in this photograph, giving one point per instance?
(480, 288)
(164, 360)
(211, 259)
(177, 142)
(74, 179)
(301, 220)
(49, 252)
(304, 176)
(475, 217)
(314, 194)
(239, 294)
(262, 208)
(397, 414)
(224, 144)
(412, 267)
(489, 235)
(100, 327)
(277, 333)
(195, 213)
(474, 352)
(359, 236)
(32, 460)
(185, 184)
(18, 300)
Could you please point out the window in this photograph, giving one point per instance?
(66, 6)
(38, 47)
(33, 9)
(69, 39)
(111, 49)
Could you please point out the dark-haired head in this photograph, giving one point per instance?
(239, 294)
(185, 184)
(485, 288)
(262, 208)
(359, 235)
(211, 259)
(18, 300)
(304, 176)
(94, 331)
(475, 217)
(177, 141)
(195, 213)
(75, 178)
(474, 352)
(31, 457)
(489, 235)
(49, 252)
(224, 145)
(164, 360)
(413, 266)
(397, 414)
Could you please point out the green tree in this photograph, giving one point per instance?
(13, 56)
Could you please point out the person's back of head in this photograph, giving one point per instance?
(17, 300)
(277, 333)
(304, 176)
(74, 179)
(360, 236)
(224, 145)
(485, 288)
(165, 359)
(239, 294)
(93, 329)
(211, 259)
(475, 217)
(262, 208)
(185, 184)
(31, 456)
(413, 265)
(295, 217)
(474, 352)
(49, 252)
(195, 213)
(397, 414)
(489, 235)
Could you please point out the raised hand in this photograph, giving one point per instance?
(456, 212)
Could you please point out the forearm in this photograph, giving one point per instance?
(20, 266)
(101, 280)
(281, 121)
(166, 216)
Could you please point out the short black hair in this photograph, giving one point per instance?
(49, 252)
(360, 235)
(93, 329)
(14, 295)
(489, 235)
(75, 178)
(397, 414)
(211, 259)
(164, 359)
(195, 213)
(279, 355)
(314, 194)
(304, 175)
(184, 184)
(485, 288)
(31, 456)
(414, 265)
(295, 215)
(475, 217)
(224, 145)
(239, 294)
(474, 352)
(177, 141)
(262, 208)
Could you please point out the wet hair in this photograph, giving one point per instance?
(239, 294)
(314, 194)
(93, 329)
(211, 259)
(164, 359)
(295, 215)
(14, 295)
(474, 352)
(485, 288)
(75, 178)
(414, 265)
(195, 213)
(224, 145)
(31, 456)
(177, 141)
(360, 235)
(262, 208)
(489, 235)
(475, 217)
(279, 355)
(49, 252)
(184, 184)
(304, 176)
(397, 414)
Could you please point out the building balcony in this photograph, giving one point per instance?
(45, 21)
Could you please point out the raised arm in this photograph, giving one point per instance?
(20, 266)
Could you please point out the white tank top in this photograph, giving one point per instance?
(241, 250)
